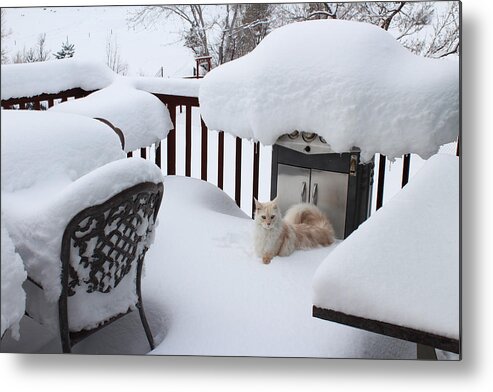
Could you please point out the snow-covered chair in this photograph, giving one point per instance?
(103, 244)
(84, 248)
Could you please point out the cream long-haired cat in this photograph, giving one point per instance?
(303, 227)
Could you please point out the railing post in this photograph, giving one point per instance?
(203, 165)
(188, 141)
(172, 142)
(381, 180)
(256, 166)
(157, 158)
(406, 163)
(220, 160)
(238, 172)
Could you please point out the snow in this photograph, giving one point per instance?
(170, 86)
(142, 117)
(217, 298)
(13, 296)
(402, 265)
(53, 76)
(205, 292)
(39, 146)
(350, 82)
(36, 217)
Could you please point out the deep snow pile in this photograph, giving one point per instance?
(142, 117)
(217, 298)
(53, 76)
(40, 146)
(350, 82)
(402, 265)
(13, 296)
(170, 86)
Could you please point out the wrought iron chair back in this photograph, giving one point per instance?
(101, 246)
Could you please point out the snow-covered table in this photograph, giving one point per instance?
(398, 274)
(141, 116)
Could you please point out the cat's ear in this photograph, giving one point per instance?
(275, 199)
(258, 205)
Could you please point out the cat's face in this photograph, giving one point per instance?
(267, 214)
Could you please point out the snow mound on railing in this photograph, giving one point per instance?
(168, 86)
(51, 77)
(142, 117)
(350, 82)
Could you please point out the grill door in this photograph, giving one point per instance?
(329, 192)
(293, 186)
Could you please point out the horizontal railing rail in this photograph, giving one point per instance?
(44, 100)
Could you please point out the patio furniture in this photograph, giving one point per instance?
(118, 131)
(139, 116)
(398, 274)
(101, 245)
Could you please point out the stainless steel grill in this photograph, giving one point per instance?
(305, 169)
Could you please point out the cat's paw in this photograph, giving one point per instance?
(266, 259)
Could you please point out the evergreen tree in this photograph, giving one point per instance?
(66, 51)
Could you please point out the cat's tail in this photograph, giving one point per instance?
(311, 225)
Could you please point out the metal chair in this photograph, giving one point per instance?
(101, 245)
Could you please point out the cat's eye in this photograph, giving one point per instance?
(272, 216)
(263, 216)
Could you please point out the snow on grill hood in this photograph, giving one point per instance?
(350, 82)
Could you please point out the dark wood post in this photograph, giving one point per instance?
(157, 158)
(203, 152)
(172, 142)
(220, 160)
(406, 164)
(256, 166)
(381, 180)
(238, 172)
(188, 141)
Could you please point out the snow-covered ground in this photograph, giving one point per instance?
(206, 293)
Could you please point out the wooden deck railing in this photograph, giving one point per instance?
(175, 103)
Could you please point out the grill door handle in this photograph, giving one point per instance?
(303, 192)
(315, 194)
